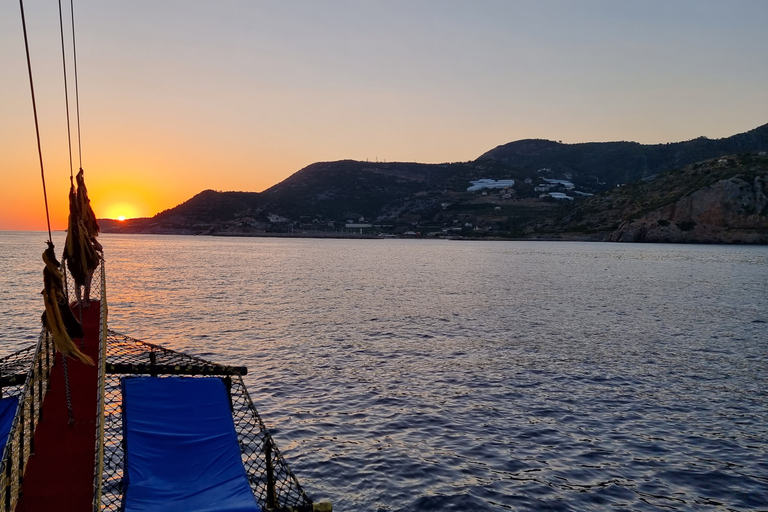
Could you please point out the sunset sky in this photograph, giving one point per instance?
(181, 96)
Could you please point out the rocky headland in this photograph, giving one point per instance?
(698, 191)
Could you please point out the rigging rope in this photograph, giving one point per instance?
(77, 90)
(66, 93)
(37, 124)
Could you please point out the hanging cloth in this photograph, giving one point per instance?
(79, 252)
(58, 317)
(87, 216)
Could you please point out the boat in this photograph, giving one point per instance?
(126, 425)
(77, 454)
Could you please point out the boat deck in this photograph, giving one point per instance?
(59, 475)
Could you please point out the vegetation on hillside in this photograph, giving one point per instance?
(549, 196)
(626, 203)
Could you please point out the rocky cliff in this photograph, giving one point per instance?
(724, 200)
(732, 210)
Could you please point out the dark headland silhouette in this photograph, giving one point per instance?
(701, 190)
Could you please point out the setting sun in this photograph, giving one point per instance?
(118, 210)
(114, 199)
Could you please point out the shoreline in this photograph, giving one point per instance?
(759, 238)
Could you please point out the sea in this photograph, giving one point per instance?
(432, 375)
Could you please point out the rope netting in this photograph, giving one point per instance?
(17, 363)
(71, 290)
(272, 482)
(23, 374)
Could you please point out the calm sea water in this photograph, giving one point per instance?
(433, 375)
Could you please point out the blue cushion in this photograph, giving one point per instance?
(181, 448)
(8, 408)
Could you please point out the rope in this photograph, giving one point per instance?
(37, 124)
(77, 90)
(69, 397)
(40, 156)
(66, 92)
(77, 109)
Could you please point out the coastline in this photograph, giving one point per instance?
(737, 237)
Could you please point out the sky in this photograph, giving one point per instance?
(181, 96)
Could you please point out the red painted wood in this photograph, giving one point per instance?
(59, 476)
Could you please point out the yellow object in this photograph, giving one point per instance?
(54, 299)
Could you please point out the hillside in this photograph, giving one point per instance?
(613, 163)
(724, 200)
(348, 189)
(542, 183)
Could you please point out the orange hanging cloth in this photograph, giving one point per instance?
(90, 223)
(79, 252)
(58, 318)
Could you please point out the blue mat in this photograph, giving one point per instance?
(181, 449)
(8, 408)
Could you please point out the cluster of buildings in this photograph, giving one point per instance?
(548, 187)
(477, 185)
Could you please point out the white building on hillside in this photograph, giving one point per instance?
(567, 184)
(489, 183)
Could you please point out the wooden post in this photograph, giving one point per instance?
(21, 447)
(40, 386)
(32, 416)
(228, 384)
(152, 364)
(48, 361)
(271, 497)
(8, 464)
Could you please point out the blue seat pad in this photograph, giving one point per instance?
(181, 449)
(8, 408)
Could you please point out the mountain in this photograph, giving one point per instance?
(543, 181)
(613, 163)
(348, 189)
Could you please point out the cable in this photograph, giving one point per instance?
(37, 124)
(66, 91)
(77, 90)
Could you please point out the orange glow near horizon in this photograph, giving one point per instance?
(125, 190)
(118, 198)
(218, 113)
(121, 211)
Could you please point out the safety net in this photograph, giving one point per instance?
(181, 448)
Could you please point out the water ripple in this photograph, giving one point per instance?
(422, 375)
